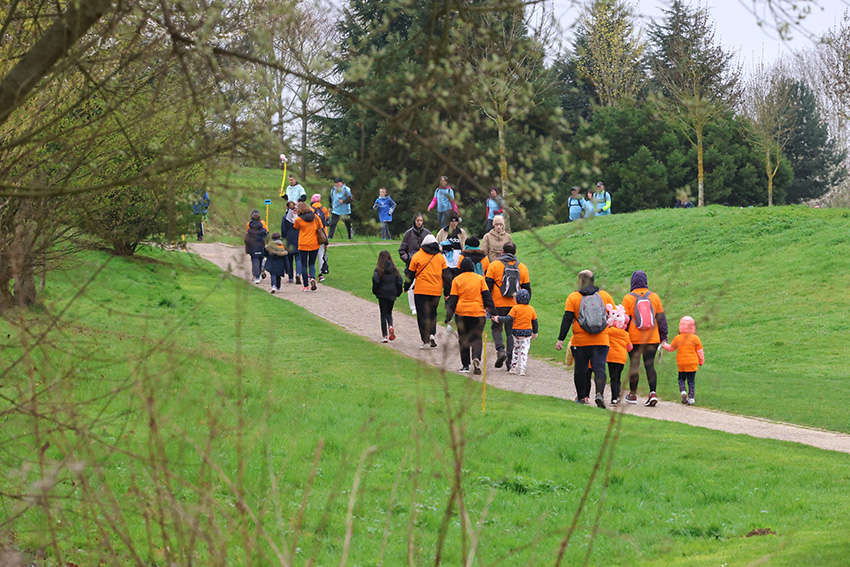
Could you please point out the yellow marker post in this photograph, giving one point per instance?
(283, 181)
(484, 375)
(267, 202)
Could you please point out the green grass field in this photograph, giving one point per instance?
(761, 284)
(172, 414)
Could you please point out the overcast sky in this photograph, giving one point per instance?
(737, 27)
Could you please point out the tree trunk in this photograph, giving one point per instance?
(503, 172)
(700, 171)
(769, 178)
(304, 121)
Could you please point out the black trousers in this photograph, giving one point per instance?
(615, 370)
(386, 307)
(335, 221)
(469, 332)
(426, 314)
(648, 353)
(496, 330)
(690, 378)
(596, 355)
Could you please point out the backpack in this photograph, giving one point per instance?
(592, 315)
(478, 268)
(321, 214)
(644, 318)
(510, 280)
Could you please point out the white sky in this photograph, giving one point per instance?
(736, 26)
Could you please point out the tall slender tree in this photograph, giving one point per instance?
(696, 76)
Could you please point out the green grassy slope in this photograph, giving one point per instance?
(762, 285)
(171, 356)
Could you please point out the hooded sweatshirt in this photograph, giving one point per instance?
(411, 241)
(478, 257)
(307, 224)
(657, 333)
(571, 309)
(427, 266)
(255, 236)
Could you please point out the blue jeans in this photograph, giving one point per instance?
(308, 264)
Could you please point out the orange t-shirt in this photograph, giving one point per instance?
(580, 336)
(618, 349)
(429, 276)
(468, 287)
(307, 239)
(495, 272)
(523, 316)
(687, 345)
(649, 336)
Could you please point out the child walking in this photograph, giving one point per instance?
(276, 255)
(689, 358)
(385, 207)
(386, 286)
(524, 319)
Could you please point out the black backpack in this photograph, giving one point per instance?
(510, 280)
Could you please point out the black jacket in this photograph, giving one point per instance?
(388, 287)
(255, 238)
(275, 253)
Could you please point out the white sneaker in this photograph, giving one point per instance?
(274, 290)
(424, 346)
(522, 372)
(691, 401)
(433, 340)
(413, 312)
(384, 340)
(256, 280)
(684, 397)
(512, 370)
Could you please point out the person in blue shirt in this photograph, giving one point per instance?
(589, 205)
(444, 200)
(603, 200)
(199, 207)
(575, 203)
(495, 207)
(341, 198)
(385, 207)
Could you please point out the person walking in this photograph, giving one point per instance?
(324, 216)
(385, 207)
(444, 200)
(255, 243)
(523, 320)
(647, 329)
(307, 223)
(479, 259)
(290, 234)
(426, 269)
(411, 241)
(603, 200)
(575, 203)
(493, 243)
(586, 313)
(494, 206)
(689, 358)
(505, 277)
(469, 301)
(341, 198)
(200, 208)
(386, 286)
(453, 233)
(589, 205)
(275, 265)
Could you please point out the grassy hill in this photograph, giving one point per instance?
(763, 285)
(158, 411)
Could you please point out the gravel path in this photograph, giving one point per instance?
(361, 317)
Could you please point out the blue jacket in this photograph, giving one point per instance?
(343, 193)
(385, 207)
(576, 206)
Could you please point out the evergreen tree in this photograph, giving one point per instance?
(814, 154)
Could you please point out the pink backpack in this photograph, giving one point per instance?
(644, 318)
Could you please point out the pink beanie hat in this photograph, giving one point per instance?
(315, 198)
(687, 325)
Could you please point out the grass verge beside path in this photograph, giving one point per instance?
(203, 396)
(761, 284)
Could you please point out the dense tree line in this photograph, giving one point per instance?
(654, 117)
